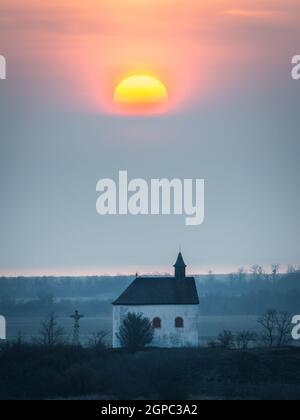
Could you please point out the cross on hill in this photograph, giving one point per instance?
(77, 317)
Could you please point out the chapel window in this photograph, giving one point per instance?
(156, 323)
(179, 323)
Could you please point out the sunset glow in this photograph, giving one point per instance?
(140, 93)
(81, 50)
(162, 89)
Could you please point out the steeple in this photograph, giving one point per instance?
(180, 267)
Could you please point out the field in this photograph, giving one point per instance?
(209, 326)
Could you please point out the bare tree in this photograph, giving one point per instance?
(226, 339)
(268, 324)
(244, 338)
(50, 332)
(97, 341)
(257, 272)
(291, 269)
(237, 278)
(277, 327)
(135, 332)
(284, 328)
(275, 270)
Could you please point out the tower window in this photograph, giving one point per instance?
(179, 323)
(156, 323)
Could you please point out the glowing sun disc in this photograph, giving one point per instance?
(140, 92)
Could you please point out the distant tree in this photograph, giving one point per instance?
(275, 271)
(254, 270)
(241, 273)
(236, 279)
(291, 269)
(276, 327)
(226, 339)
(51, 333)
(268, 324)
(284, 328)
(257, 272)
(135, 332)
(244, 338)
(97, 341)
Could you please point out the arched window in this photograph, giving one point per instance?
(179, 323)
(156, 323)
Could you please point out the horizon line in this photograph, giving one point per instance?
(131, 271)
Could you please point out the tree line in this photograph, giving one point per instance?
(241, 293)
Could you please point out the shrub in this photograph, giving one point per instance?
(135, 332)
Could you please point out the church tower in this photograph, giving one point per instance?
(180, 268)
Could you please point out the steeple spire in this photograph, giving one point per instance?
(180, 267)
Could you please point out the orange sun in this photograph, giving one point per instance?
(141, 93)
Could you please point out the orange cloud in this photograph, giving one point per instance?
(260, 15)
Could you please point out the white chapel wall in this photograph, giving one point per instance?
(168, 335)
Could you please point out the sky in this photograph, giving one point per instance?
(232, 119)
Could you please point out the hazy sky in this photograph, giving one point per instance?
(233, 119)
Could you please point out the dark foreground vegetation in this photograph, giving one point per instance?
(32, 371)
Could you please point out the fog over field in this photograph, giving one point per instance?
(229, 302)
